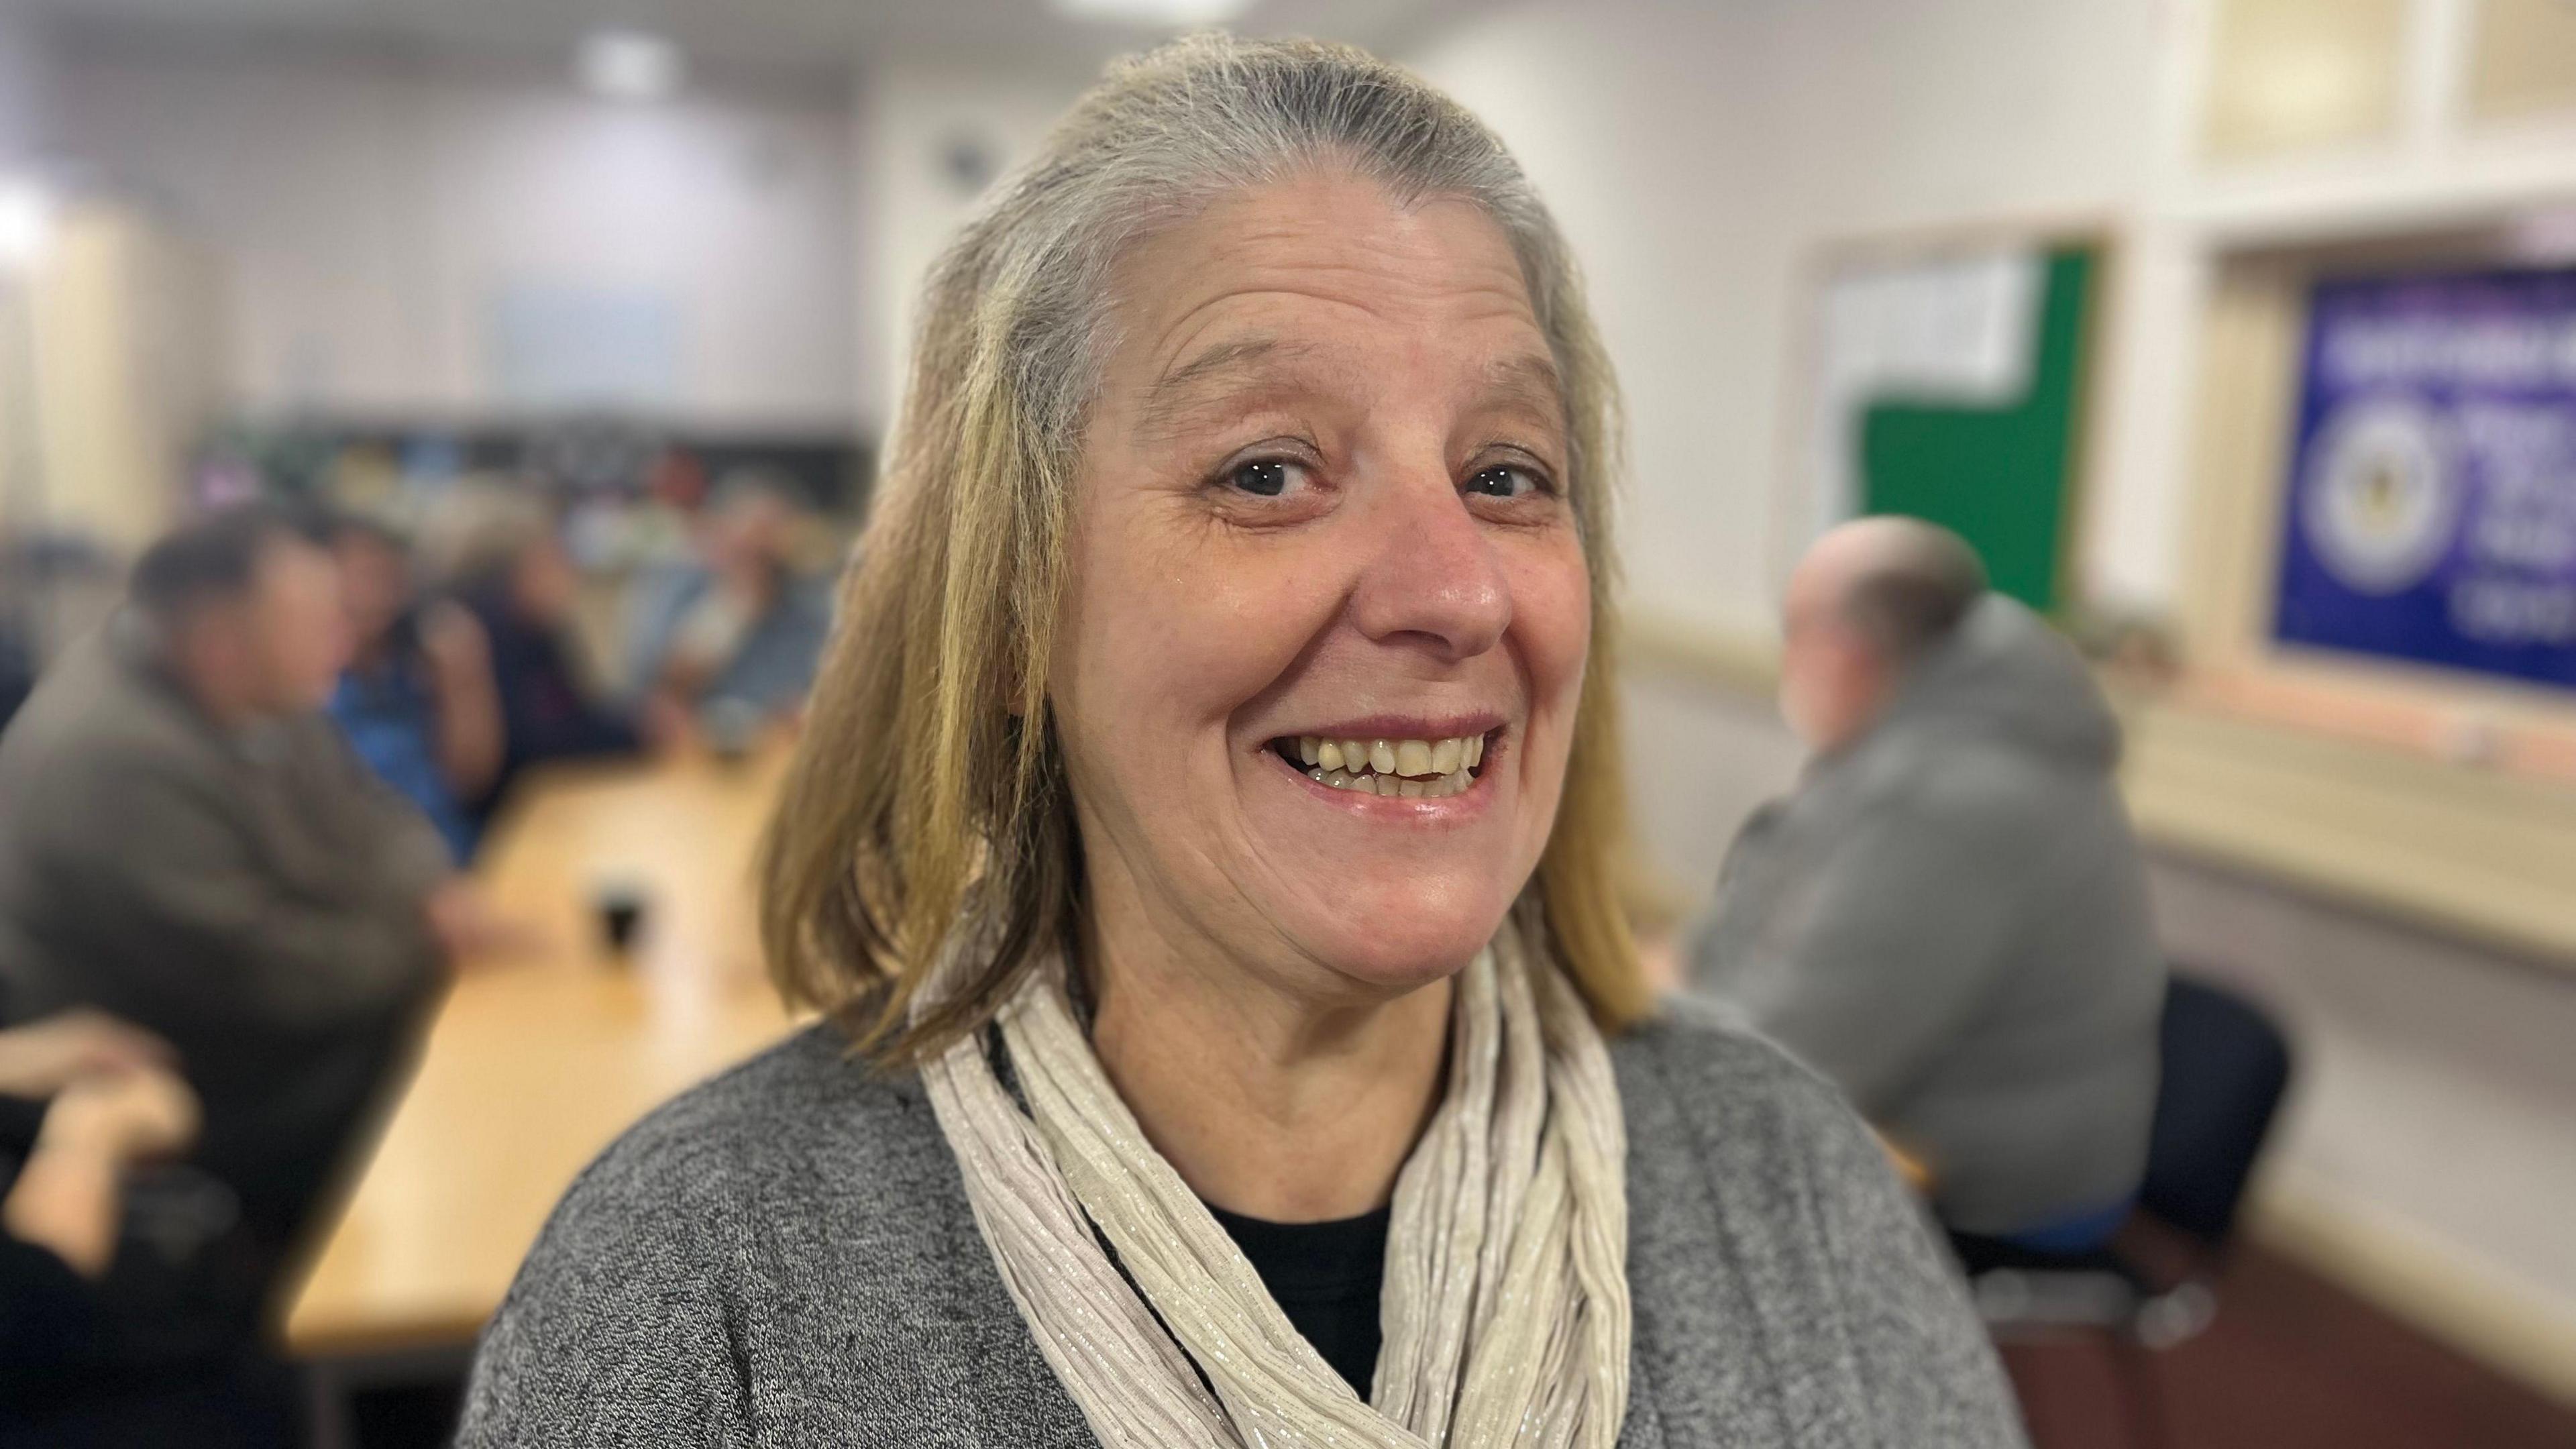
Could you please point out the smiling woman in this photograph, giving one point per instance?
(1205, 834)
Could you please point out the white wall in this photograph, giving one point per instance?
(365, 214)
(1698, 154)
(917, 113)
(25, 86)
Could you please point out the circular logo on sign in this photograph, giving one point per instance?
(2382, 494)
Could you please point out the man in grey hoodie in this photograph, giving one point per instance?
(1948, 916)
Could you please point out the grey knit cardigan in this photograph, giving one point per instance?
(785, 1256)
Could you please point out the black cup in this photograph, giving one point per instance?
(731, 727)
(621, 916)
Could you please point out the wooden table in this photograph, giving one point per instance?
(536, 1064)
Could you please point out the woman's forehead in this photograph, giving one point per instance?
(1301, 280)
(1304, 250)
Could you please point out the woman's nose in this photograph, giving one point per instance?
(1435, 579)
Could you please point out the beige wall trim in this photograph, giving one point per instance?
(1677, 647)
(2454, 847)
(2451, 1295)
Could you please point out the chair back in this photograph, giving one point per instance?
(2226, 1066)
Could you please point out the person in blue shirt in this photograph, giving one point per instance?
(739, 629)
(418, 700)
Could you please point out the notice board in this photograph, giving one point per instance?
(1949, 385)
(2431, 507)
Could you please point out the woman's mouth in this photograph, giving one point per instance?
(1407, 769)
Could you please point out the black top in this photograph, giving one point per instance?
(133, 1356)
(46, 1319)
(545, 712)
(1325, 1277)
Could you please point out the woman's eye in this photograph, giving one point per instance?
(1264, 477)
(1503, 480)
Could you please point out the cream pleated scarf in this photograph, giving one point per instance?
(1505, 1306)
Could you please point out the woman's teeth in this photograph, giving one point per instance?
(1408, 769)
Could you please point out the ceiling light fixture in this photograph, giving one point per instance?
(1161, 13)
(629, 65)
(26, 222)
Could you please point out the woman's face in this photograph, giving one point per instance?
(1321, 515)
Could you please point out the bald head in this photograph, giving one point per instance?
(1903, 584)
(1870, 598)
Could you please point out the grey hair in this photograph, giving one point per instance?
(1168, 131)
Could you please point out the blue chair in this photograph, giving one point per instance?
(2226, 1067)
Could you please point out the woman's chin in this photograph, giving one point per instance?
(1398, 956)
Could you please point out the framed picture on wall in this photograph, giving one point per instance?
(1944, 377)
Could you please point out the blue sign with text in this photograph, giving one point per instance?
(2432, 510)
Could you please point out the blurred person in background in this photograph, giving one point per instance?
(191, 845)
(496, 552)
(1948, 917)
(17, 672)
(87, 1103)
(19, 608)
(418, 699)
(739, 628)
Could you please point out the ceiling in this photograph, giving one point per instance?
(811, 36)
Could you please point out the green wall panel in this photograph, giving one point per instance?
(2000, 477)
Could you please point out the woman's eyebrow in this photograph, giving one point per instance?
(1529, 381)
(1243, 356)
